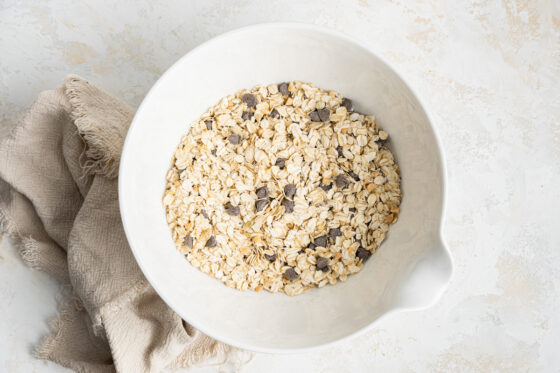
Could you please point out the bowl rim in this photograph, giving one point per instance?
(348, 39)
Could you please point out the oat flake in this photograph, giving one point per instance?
(260, 200)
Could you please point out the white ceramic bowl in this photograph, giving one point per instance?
(411, 268)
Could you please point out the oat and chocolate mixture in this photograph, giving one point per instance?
(282, 187)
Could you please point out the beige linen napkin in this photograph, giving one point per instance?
(58, 199)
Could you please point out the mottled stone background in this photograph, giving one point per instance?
(489, 73)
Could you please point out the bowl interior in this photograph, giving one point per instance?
(407, 271)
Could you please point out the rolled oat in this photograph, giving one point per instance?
(282, 188)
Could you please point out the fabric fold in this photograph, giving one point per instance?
(59, 200)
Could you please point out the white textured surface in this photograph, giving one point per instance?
(487, 70)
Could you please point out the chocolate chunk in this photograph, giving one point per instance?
(324, 114)
(288, 205)
(335, 232)
(234, 139)
(341, 181)
(232, 210)
(247, 115)
(211, 242)
(283, 88)
(291, 274)
(340, 152)
(261, 204)
(354, 175)
(314, 116)
(189, 242)
(326, 187)
(214, 151)
(208, 124)
(363, 253)
(280, 162)
(270, 258)
(249, 99)
(205, 214)
(321, 241)
(352, 209)
(322, 264)
(262, 192)
(290, 190)
(311, 246)
(275, 114)
(347, 103)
